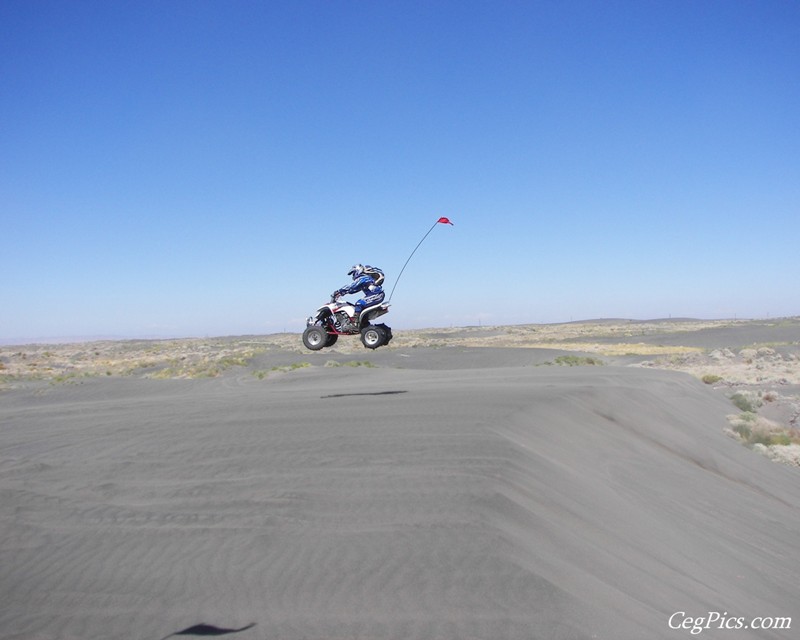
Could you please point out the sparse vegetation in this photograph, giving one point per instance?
(190, 358)
(711, 378)
(350, 363)
(769, 396)
(359, 363)
(742, 425)
(261, 374)
(744, 403)
(576, 361)
(752, 430)
(64, 379)
(233, 361)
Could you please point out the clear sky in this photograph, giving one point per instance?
(182, 168)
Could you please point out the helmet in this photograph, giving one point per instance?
(357, 270)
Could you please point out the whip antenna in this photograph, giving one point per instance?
(439, 221)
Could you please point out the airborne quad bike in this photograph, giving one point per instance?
(340, 319)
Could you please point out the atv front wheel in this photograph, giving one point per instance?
(332, 338)
(315, 337)
(372, 337)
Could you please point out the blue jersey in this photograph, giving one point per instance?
(364, 283)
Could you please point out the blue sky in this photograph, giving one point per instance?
(197, 168)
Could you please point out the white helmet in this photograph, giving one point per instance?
(357, 270)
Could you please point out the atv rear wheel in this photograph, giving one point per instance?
(387, 333)
(372, 336)
(315, 337)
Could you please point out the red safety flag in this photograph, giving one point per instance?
(445, 221)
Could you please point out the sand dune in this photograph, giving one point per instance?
(453, 498)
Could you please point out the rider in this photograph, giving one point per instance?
(366, 280)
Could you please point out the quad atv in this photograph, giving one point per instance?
(336, 319)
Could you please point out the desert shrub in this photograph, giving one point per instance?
(350, 363)
(768, 438)
(711, 378)
(165, 373)
(743, 403)
(782, 439)
(233, 361)
(577, 361)
(260, 374)
(752, 430)
(207, 372)
(743, 430)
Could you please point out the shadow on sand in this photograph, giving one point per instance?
(208, 630)
(371, 393)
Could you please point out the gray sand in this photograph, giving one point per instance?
(443, 500)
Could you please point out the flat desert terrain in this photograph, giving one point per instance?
(610, 479)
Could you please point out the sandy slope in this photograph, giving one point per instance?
(452, 502)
